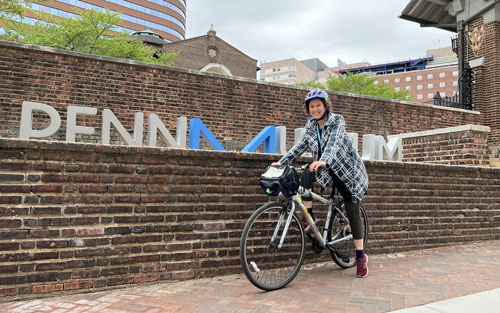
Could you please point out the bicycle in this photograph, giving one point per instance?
(271, 256)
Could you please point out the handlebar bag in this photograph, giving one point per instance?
(279, 178)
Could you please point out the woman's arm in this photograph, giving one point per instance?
(295, 152)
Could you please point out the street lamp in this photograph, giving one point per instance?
(454, 46)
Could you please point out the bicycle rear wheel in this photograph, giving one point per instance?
(344, 252)
(265, 265)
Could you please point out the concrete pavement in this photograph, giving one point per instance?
(461, 278)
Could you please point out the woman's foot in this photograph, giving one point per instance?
(362, 266)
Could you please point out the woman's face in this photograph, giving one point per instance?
(316, 108)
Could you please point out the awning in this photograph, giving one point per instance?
(430, 13)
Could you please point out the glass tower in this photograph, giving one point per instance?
(165, 17)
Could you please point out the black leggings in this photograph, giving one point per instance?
(352, 209)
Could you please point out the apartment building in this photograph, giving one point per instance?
(424, 84)
(166, 18)
(292, 71)
(436, 73)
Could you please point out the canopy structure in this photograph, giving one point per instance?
(430, 13)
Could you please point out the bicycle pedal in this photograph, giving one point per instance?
(344, 258)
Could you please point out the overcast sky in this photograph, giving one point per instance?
(352, 30)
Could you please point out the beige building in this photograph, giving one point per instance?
(292, 71)
(437, 73)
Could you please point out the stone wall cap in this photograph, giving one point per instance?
(477, 128)
(477, 62)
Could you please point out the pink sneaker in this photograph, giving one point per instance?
(362, 267)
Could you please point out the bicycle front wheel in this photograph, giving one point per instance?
(344, 252)
(266, 265)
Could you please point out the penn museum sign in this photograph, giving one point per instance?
(273, 138)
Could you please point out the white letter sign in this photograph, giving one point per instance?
(26, 131)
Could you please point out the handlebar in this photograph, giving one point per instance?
(300, 170)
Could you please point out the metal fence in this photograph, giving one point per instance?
(462, 99)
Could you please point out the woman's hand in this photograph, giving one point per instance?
(276, 163)
(315, 165)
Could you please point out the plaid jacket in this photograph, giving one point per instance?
(337, 151)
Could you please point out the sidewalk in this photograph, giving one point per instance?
(466, 276)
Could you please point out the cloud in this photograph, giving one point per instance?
(352, 30)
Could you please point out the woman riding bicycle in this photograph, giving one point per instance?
(336, 163)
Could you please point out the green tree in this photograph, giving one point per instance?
(10, 8)
(87, 31)
(359, 84)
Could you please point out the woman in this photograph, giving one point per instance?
(336, 163)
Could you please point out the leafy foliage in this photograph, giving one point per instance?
(11, 8)
(359, 84)
(88, 31)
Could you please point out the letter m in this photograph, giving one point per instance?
(392, 151)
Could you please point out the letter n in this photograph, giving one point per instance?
(266, 136)
(197, 129)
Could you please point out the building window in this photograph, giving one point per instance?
(430, 85)
(441, 74)
(419, 87)
(276, 69)
(429, 95)
(292, 75)
(443, 94)
(397, 89)
(442, 84)
(455, 73)
(430, 76)
(396, 80)
(386, 81)
(419, 77)
(408, 79)
(276, 77)
(292, 68)
(454, 92)
(407, 87)
(455, 83)
(419, 96)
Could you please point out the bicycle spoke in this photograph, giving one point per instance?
(277, 266)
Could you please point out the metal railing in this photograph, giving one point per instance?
(462, 99)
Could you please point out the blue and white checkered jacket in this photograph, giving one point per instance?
(338, 153)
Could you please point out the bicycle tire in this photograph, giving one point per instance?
(272, 268)
(344, 253)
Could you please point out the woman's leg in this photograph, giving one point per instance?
(352, 210)
(306, 181)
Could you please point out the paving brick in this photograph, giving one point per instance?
(410, 279)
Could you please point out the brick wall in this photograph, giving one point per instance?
(235, 110)
(79, 217)
(462, 145)
(486, 94)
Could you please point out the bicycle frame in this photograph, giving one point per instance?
(297, 202)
